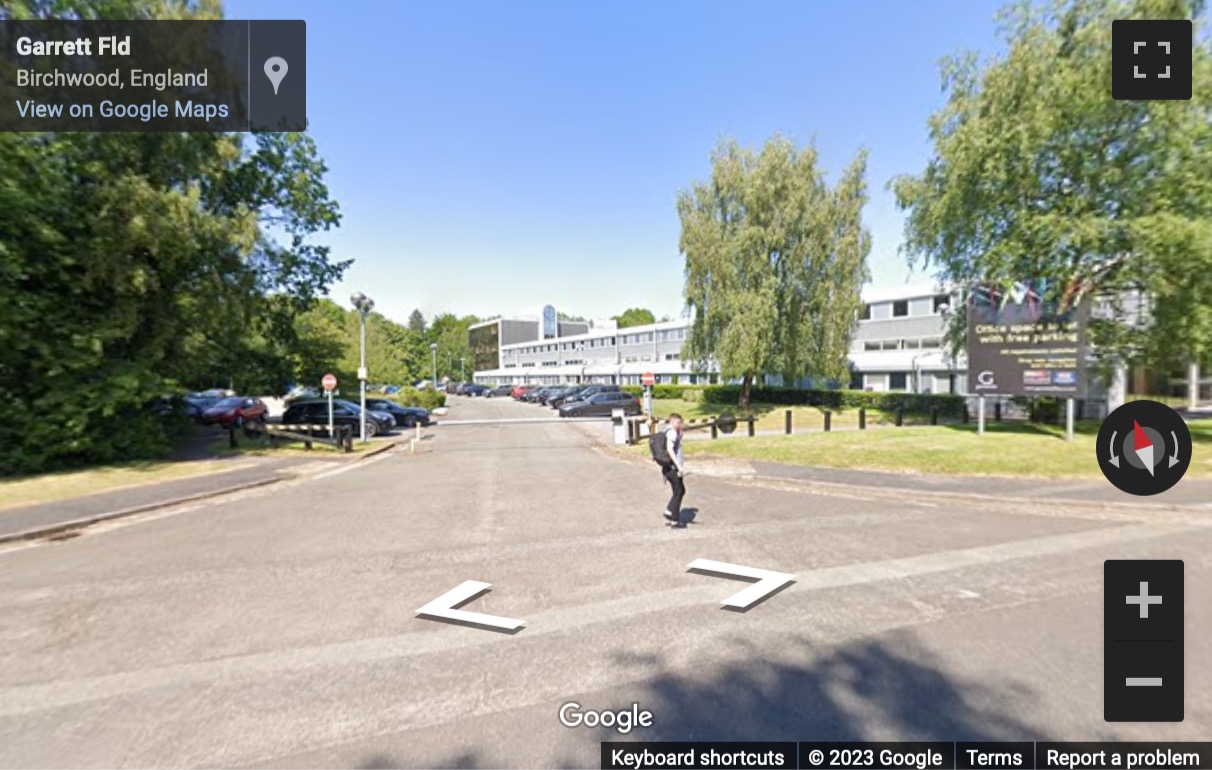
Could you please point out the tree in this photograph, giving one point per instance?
(416, 322)
(134, 265)
(454, 353)
(775, 260)
(1037, 173)
(636, 316)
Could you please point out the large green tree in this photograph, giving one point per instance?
(775, 260)
(1038, 173)
(636, 316)
(132, 265)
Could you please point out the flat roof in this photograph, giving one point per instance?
(599, 333)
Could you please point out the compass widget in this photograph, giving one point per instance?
(1144, 447)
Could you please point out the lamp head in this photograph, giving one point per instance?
(357, 298)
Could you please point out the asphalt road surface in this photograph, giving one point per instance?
(278, 628)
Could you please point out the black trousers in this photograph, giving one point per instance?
(670, 472)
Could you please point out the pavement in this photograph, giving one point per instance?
(231, 474)
(278, 627)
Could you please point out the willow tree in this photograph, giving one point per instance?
(1038, 173)
(775, 261)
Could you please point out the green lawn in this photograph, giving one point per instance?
(1007, 449)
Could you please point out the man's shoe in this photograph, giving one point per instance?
(670, 517)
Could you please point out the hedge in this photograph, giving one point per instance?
(687, 392)
(427, 398)
(912, 403)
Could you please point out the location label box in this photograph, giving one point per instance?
(106, 75)
(1143, 641)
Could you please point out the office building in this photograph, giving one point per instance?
(897, 345)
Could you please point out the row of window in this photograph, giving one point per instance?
(666, 335)
(925, 343)
(900, 307)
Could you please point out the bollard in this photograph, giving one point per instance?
(750, 420)
(934, 415)
(828, 420)
(715, 433)
(862, 418)
(967, 417)
(900, 416)
(997, 411)
(307, 444)
(231, 436)
(787, 420)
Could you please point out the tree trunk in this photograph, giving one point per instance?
(746, 384)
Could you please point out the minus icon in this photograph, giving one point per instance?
(1144, 681)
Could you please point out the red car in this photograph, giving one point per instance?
(521, 390)
(235, 411)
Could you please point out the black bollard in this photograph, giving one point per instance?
(787, 419)
(862, 418)
(828, 420)
(900, 416)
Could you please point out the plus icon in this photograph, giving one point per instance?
(1144, 600)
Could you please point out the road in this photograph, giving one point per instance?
(277, 628)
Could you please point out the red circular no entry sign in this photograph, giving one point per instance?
(329, 382)
(648, 378)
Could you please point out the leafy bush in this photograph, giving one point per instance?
(912, 403)
(428, 398)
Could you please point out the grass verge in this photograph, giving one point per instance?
(1007, 449)
(773, 416)
(49, 487)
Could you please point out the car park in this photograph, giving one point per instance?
(315, 412)
(499, 391)
(519, 391)
(472, 389)
(235, 411)
(564, 394)
(602, 405)
(405, 416)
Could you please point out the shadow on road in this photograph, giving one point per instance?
(869, 690)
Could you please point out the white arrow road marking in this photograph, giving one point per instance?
(442, 608)
(768, 582)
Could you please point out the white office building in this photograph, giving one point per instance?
(897, 345)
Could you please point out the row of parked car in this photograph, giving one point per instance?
(223, 409)
(577, 400)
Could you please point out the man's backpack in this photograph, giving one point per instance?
(658, 446)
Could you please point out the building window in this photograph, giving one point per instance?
(865, 313)
(941, 301)
(872, 345)
(897, 381)
(900, 308)
(892, 344)
(932, 342)
(856, 380)
(673, 356)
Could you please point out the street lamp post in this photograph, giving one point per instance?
(363, 304)
(462, 376)
(433, 348)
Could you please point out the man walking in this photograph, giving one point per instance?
(674, 471)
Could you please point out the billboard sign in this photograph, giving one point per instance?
(1021, 342)
(551, 323)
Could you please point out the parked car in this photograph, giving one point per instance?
(315, 412)
(300, 392)
(602, 405)
(520, 390)
(499, 391)
(556, 399)
(235, 412)
(588, 391)
(405, 416)
(197, 403)
(532, 395)
(472, 389)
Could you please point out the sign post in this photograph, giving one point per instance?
(648, 380)
(330, 383)
(1024, 342)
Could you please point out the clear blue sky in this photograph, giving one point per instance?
(491, 157)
